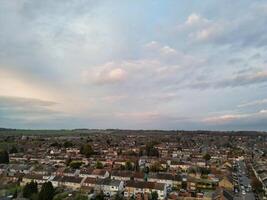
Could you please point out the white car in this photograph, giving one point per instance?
(243, 192)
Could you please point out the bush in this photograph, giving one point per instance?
(4, 157)
(47, 191)
(86, 150)
(99, 165)
(30, 189)
(75, 164)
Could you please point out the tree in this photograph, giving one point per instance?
(203, 170)
(75, 164)
(108, 142)
(4, 157)
(131, 153)
(68, 161)
(207, 157)
(99, 165)
(80, 197)
(13, 150)
(128, 165)
(15, 195)
(86, 150)
(30, 189)
(55, 144)
(118, 196)
(184, 185)
(156, 167)
(192, 170)
(256, 184)
(154, 195)
(34, 196)
(68, 144)
(146, 170)
(47, 191)
(100, 196)
(60, 196)
(149, 150)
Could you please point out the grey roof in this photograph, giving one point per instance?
(108, 181)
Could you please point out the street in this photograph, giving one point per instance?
(244, 183)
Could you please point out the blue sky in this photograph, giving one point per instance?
(133, 64)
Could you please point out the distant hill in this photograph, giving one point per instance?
(84, 131)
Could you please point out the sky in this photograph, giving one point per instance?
(152, 64)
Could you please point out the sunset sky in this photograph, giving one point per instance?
(127, 64)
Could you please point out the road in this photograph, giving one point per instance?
(244, 183)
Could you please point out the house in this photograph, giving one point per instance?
(86, 172)
(45, 170)
(88, 183)
(109, 187)
(227, 183)
(103, 161)
(121, 175)
(33, 177)
(71, 182)
(19, 168)
(120, 162)
(166, 178)
(127, 175)
(260, 171)
(203, 183)
(15, 178)
(191, 183)
(18, 157)
(71, 172)
(133, 188)
(99, 173)
(222, 194)
(3, 168)
(179, 165)
(138, 176)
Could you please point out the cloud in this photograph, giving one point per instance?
(194, 19)
(224, 118)
(27, 109)
(241, 80)
(200, 29)
(253, 103)
(96, 59)
(236, 81)
(148, 116)
(193, 22)
(16, 83)
(229, 118)
(168, 55)
(111, 76)
(159, 49)
(166, 50)
(8, 101)
(263, 112)
(116, 74)
(207, 34)
(245, 31)
(159, 65)
(109, 73)
(114, 98)
(27, 87)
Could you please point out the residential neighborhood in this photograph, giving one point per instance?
(122, 164)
